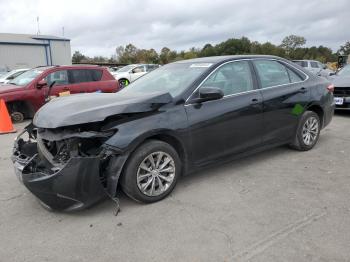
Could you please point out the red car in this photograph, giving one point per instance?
(25, 94)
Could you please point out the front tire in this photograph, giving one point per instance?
(308, 132)
(123, 83)
(151, 172)
(17, 117)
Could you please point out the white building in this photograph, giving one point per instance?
(26, 51)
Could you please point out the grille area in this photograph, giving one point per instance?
(342, 91)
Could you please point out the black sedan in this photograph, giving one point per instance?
(169, 123)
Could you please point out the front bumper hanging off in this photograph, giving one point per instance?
(76, 185)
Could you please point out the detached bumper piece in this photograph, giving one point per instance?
(73, 186)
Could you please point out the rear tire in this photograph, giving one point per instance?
(308, 132)
(151, 172)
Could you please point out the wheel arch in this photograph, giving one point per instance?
(22, 106)
(318, 110)
(161, 135)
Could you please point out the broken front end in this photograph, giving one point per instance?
(67, 168)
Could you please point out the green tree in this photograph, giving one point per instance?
(207, 50)
(164, 56)
(344, 49)
(78, 57)
(291, 43)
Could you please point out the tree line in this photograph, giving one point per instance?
(291, 47)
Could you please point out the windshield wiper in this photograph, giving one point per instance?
(12, 83)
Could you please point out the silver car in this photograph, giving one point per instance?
(315, 67)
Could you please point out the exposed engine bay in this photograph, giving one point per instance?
(72, 160)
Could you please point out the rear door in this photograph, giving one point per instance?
(231, 124)
(285, 96)
(82, 81)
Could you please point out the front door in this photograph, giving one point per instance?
(229, 125)
(61, 85)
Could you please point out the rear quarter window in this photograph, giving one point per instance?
(96, 75)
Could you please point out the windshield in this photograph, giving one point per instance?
(172, 78)
(13, 74)
(125, 69)
(26, 77)
(345, 71)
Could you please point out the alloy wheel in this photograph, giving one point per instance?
(310, 131)
(156, 174)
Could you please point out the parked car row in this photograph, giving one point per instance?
(7, 77)
(29, 91)
(315, 67)
(172, 121)
(130, 73)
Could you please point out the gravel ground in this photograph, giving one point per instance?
(279, 205)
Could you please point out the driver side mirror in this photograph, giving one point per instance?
(42, 83)
(209, 93)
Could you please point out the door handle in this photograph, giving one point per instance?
(302, 90)
(255, 101)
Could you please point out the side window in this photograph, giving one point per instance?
(231, 78)
(96, 75)
(139, 69)
(304, 64)
(314, 64)
(151, 67)
(294, 77)
(60, 78)
(271, 73)
(80, 76)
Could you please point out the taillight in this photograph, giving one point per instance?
(330, 88)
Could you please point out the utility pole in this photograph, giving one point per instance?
(63, 31)
(37, 20)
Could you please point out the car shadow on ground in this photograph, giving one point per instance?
(222, 170)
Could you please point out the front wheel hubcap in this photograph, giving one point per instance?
(156, 174)
(310, 131)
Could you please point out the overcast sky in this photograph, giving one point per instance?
(98, 27)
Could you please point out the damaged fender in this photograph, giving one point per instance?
(78, 183)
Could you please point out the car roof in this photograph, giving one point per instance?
(219, 59)
(68, 67)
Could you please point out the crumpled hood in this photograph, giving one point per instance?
(340, 81)
(94, 107)
(4, 88)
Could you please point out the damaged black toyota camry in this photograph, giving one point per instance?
(170, 122)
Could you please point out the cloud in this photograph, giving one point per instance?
(98, 27)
